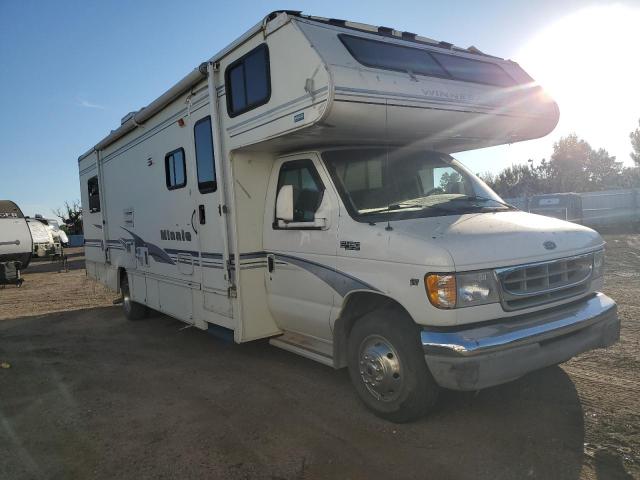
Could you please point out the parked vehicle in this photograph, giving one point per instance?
(15, 237)
(565, 206)
(299, 186)
(44, 243)
(598, 209)
(58, 234)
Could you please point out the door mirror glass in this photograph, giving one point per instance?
(284, 203)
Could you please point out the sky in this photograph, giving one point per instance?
(70, 70)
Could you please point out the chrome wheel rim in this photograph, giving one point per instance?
(380, 368)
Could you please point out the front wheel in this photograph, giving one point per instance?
(388, 369)
(132, 310)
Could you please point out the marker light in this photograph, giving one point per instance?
(441, 289)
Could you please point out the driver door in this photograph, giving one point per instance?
(301, 253)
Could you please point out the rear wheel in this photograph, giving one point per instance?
(387, 367)
(132, 310)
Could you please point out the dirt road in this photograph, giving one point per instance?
(91, 395)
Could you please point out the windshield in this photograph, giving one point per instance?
(380, 184)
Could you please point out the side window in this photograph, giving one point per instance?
(175, 169)
(205, 163)
(248, 81)
(94, 194)
(450, 181)
(307, 188)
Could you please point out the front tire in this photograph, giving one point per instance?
(132, 310)
(388, 369)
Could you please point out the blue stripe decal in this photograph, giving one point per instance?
(158, 254)
(341, 282)
(170, 251)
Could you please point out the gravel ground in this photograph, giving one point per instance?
(90, 395)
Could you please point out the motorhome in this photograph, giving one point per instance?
(15, 237)
(299, 186)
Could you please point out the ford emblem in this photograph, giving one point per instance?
(549, 245)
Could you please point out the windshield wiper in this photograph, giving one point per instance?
(478, 198)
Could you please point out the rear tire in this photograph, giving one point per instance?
(388, 369)
(132, 310)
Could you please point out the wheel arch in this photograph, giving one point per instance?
(121, 272)
(356, 305)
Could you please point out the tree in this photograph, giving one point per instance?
(71, 216)
(515, 181)
(448, 180)
(602, 170)
(635, 145)
(568, 164)
(573, 167)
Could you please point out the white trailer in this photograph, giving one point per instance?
(15, 237)
(298, 186)
(44, 242)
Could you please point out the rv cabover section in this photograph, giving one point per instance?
(298, 186)
(15, 237)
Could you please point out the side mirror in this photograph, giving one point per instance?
(284, 204)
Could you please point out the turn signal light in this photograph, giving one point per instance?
(441, 289)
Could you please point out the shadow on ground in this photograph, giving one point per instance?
(90, 394)
(75, 261)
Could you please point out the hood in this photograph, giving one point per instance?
(497, 239)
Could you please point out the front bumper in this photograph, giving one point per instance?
(490, 354)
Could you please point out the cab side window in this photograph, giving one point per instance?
(308, 189)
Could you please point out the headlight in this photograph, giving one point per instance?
(461, 289)
(598, 264)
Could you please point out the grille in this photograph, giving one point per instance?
(538, 283)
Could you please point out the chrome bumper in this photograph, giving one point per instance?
(485, 355)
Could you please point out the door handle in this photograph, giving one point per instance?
(201, 215)
(192, 226)
(270, 262)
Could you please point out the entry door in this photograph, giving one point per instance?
(301, 257)
(206, 219)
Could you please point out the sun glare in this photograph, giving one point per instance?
(588, 62)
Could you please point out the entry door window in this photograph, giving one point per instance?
(205, 162)
(308, 189)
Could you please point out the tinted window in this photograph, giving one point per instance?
(9, 209)
(236, 80)
(392, 57)
(175, 169)
(205, 163)
(248, 82)
(384, 55)
(473, 71)
(94, 194)
(307, 188)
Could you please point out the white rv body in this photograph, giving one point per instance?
(220, 254)
(15, 236)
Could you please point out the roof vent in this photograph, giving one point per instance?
(127, 117)
(337, 21)
(385, 31)
(409, 35)
(445, 45)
